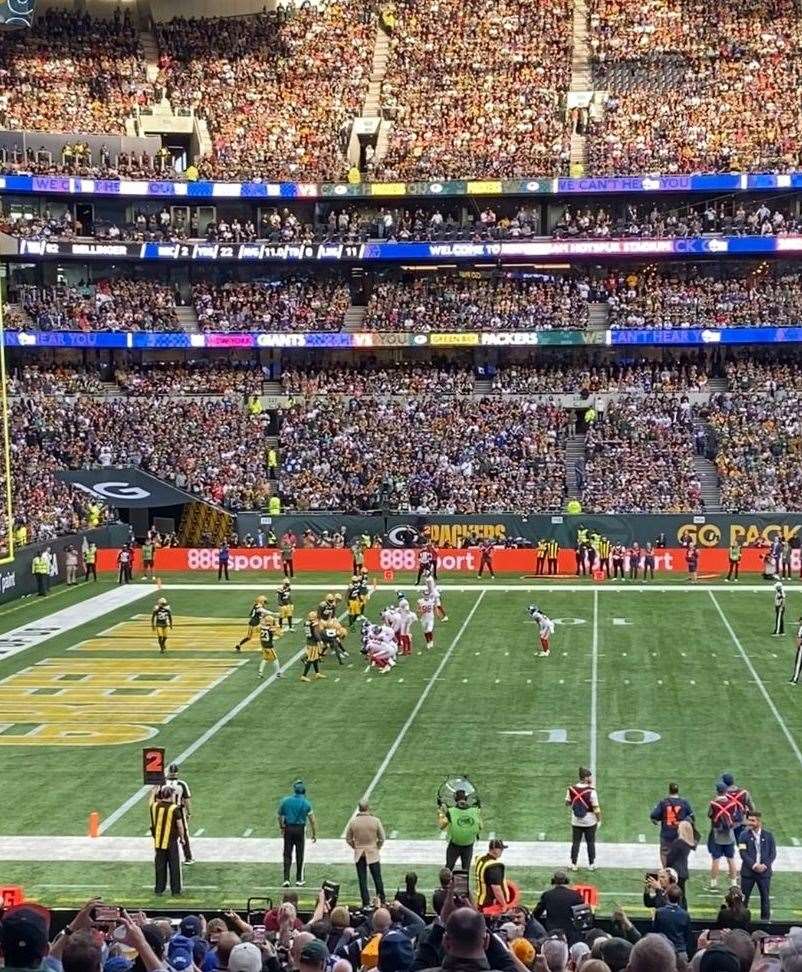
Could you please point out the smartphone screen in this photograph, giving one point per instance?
(105, 914)
(773, 944)
(460, 884)
(259, 934)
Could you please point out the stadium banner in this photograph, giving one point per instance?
(125, 487)
(690, 247)
(17, 579)
(369, 340)
(403, 531)
(203, 191)
(381, 560)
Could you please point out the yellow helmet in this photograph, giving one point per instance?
(261, 599)
(312, 616)
(330, 598)
(162, 601)
(337, 598)
(355, 577)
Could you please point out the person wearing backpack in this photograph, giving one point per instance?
(585, 817)
(742, 803)
(721, 840)
(462, 825)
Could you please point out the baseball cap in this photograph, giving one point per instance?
(727, 778)
(180, 953)
(245, 957)
(497, 844)
(523, 950)
(396, 953)
(314, 951)
(24, 936)
(191, 926)
(117, 964)
(299, 786)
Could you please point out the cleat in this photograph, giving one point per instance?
(279, 674)
(259, 675)
(189, 860)
(304, 678)
(543, 654)
(285, 884)
(298, 884)
(319, 675)
(237, 648)
(572, 867)
(591, 867)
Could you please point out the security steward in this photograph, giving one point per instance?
(293, 813)
(462, 825)
(39, 569)
(735, 561)
(167, 831)
(494, 893)
(552, 553)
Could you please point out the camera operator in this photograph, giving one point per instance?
(556, 907)
(462, 824)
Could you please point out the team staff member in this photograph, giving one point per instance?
(618, 561)
(668, 813)
(491, 884)
(486, 558)
(294, 812)
(90, 562)
(166, 829)
(585, 817)
(462, 825)
(735, 561)
(147, 559)
(648, 562)
(552, 552)
(779, 610)
(182, 797)
(287, 552)
(758, 851)
(223, 557)
(161, 619)
(798, 660)
(365, 836)
(286, 608)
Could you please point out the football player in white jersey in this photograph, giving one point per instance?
(426, 609)
(545, 629)
(405, 618)
(430, 587)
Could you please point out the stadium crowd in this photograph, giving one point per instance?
(468, 455)
(758, 448)
(765, 371)
(680, 297)
(531, 378)
(276, 90)
(71, 73)
(661, 220)
(292, 303)
(693, 88)
(61, 379)
(49, 433)
(475, 89)
(469, 302)
(117, 304)
(378, 378)
(639, 458)
(191, 378)
(391, 936)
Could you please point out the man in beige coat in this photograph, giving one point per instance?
(365, 836)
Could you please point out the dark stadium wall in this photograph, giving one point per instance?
(715, 530)
(16, 577)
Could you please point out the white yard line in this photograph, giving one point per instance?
(594, 688)
(29, 635)
(502, 587)
(418, 705)
(257, 850)
(759, 682)
(210, 733)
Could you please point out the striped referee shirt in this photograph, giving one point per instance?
(163, 823)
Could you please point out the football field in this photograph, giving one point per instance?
(646, 684)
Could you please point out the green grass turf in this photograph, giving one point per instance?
(673, 670)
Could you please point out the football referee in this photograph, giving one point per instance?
(293, 813)
(779, 610)
(798, 660)
(167, 830)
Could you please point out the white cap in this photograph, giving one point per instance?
(245, 957)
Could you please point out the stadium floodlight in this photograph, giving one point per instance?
(7, 519)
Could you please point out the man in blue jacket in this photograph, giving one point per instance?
(668, 813)
(674, 922)
(758, 851)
